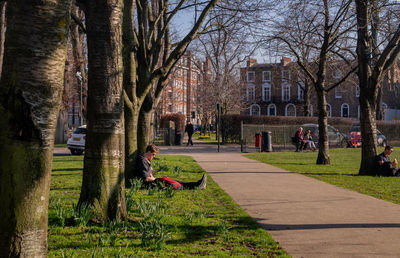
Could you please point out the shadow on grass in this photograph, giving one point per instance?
(327, 174)
(67, 169)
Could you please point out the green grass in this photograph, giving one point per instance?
(206, 138)
(342, 172)
(60, 145)
(196, 222)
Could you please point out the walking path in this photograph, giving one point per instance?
(309, 218)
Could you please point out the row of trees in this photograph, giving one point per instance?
(129, 57)
(351, 36)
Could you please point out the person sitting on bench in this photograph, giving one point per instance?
(384, 166)
(146, 173)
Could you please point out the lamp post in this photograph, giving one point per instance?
(218, 122)
(79, 77)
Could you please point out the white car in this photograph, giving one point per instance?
(76, 141)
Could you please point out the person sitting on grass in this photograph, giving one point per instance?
(384, 166)
(146, 173)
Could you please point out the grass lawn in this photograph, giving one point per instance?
(168, 223)
(206, 138)
(342, 172)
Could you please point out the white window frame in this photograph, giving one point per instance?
(330, 109)
(338, 74)
(285, 86)
(269, 106)
(247, 76)
(289, 105)
(268, 77)
(338, 92)
(266, 88)
(285, 80)
(251, 92)
(300, 90)
(251, 110)
(342, 108)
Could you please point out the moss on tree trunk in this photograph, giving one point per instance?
(30, 96)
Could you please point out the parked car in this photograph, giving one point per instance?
(76, 141)
(354, 137)
(336, 138)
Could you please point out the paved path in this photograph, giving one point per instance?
(309, 218)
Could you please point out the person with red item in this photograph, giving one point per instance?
(300, 140)
(146, 173)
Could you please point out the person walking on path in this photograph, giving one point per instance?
(146, 173)
(189, 130)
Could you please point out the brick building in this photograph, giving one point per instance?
(279, 89)
(180, 95)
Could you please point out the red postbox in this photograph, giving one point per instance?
(258, 140)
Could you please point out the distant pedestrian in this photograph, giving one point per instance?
(189, 130)
(300, 140)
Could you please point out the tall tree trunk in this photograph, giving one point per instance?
(129, 83)
(323, 141)
(30, 96)
(103, 173)
(368, 132)
(3, 21)
(78, 48)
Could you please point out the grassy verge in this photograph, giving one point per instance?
(168, 223)
(206, 138)
(342, 172)
(61, 145)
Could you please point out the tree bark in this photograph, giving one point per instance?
(30, 97)
(323, 143)
(103, 172)
(3, 6)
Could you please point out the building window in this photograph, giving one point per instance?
(271, 110)
(384, 108)
(170, 95)
(285, 76)
(179, 72)
(255, 110)
(358, 111)
(338, 74)
(338, 92)
(357, 91)
(310, 110)
(290, 110)
(329, 110)
(266, 76)
(345, 110)
(285, 92)
(266, 92)
(300, 90)
(169, 107)
(251, 76)
(251, 92)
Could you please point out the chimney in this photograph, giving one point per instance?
(285, 60)
(251, 62)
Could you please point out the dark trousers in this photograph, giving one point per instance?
(190, 139)
(300, 145)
